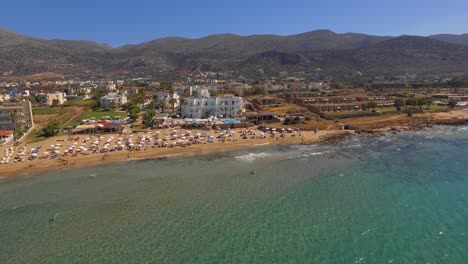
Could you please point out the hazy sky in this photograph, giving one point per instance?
(122, 22)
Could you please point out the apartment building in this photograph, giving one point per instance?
(16, 116)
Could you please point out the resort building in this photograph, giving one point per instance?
(204, 107)
(113, 100)
(16, 116)
(58, 97)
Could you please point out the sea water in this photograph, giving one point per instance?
(392, 199)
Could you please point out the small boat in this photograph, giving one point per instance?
(53, 218)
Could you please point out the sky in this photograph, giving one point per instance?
(118, 23)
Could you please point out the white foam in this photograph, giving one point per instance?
(307, 155)
(252, 156)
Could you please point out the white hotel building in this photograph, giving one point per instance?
(205, 107)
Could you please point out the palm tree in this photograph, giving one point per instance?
(182, 102)
(163, 105)
(13, 117)
(173, 101)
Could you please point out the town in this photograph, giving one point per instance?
(34, 110)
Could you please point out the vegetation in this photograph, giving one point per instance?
(398, 103)
(256, 90)
(13, 118)
(132, 109)
(55, 103)
(452, 103)
(100, 114)
(292, 121)
(51, 129)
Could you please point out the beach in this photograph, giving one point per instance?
(37, 166)
(29, 168)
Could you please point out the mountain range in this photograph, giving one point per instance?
(320, 52)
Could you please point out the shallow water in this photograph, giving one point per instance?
(396, 199)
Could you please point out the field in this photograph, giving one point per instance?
(64, 115)
(88, 114)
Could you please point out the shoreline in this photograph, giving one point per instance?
(37, 167)
(369, 129)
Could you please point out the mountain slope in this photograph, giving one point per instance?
(406, 54)
(320, 51)
(450, 38)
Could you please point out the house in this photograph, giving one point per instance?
(16, 116)
(5, 97)
(109, 86)
(204, 107)
(5, 136)
(132, 91)
(168, 99)
(113, 100)
(58, 97)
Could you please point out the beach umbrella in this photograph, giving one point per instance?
(34, 154)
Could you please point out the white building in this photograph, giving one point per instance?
(167, 98)
(113, 100)
(110, 86)
(59, 96)
(204, 107)
(5, 97)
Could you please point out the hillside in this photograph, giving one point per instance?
(315, 52)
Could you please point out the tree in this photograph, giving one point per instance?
(55, 103)
(421, 102)
(213, 93)
(173, 101)
(371, 105)
(182, 101)
(33, 99)
(51, 129)
(13, 118)
(149, 117)
(165, 86)
(452, 103)
(411, 102)
(113, 105)
(163, 105)
(256, 90)
(398, 103)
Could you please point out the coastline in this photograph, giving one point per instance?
(364, 128)
(36, 167)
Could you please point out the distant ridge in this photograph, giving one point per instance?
(324, 50)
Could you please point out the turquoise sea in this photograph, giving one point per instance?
(402, 198)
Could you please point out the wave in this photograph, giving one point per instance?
(252, 156)
(306, 155)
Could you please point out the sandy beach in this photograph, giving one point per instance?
(29, 168)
